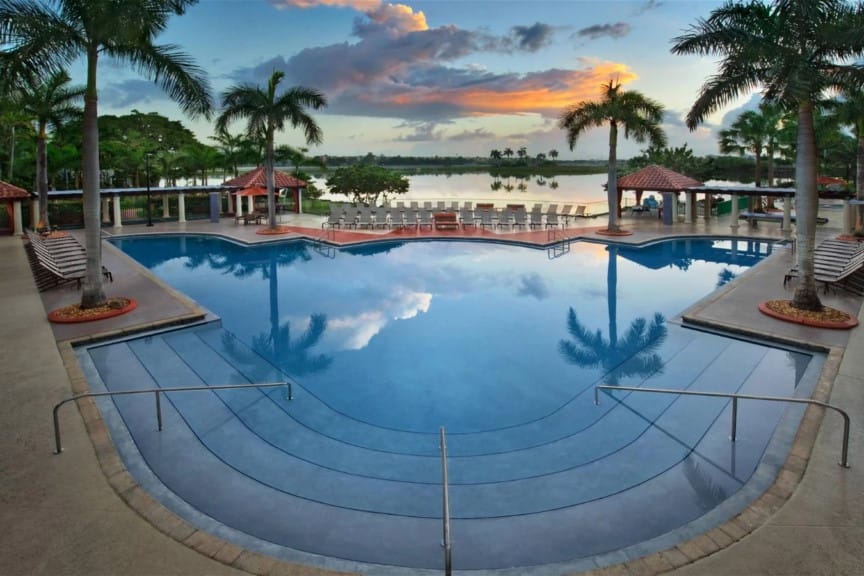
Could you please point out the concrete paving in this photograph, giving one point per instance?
(80, 512)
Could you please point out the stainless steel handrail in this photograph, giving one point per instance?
(157, 392)
(844, 459)
(448, 567)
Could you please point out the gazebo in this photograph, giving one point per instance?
(254, 183)
(668, 182)
(11, 196)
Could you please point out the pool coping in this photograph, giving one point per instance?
(722, 536)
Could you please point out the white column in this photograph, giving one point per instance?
(230, 203)
(787, 214)
(250, 204)
(165, 212)
(118, 222)
(34, 213)
(707, 211)
(300, 200)
(239, 200)
(17, 220)
(181, 207)
(106, 216)
(734, 225)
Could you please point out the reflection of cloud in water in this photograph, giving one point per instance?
(533, 285)
(354, 332)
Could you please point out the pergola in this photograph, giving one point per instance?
(736, 191)
(254, 183)
(11, 196)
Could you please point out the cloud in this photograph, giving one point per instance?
(400, 67)
(424, 132)
(532, 38)
(648, 5)
(470, 135)
(129, 93)
(617, 30)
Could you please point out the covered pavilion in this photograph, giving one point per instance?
(11, 196)
(737, 191)
(668, 182)
(254, 183)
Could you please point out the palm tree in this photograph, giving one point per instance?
(850, 112)
(756, 133)
(795, 50)
(553, 154)
(637, 114)
(45, 36)
(49, 104)
(496, 156)
(266, 113)
(508, 152)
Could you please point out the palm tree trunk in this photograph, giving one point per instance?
(612, 179)
(806, 204)
(859, 178)
(12, 155)
(269, 176)
(42, 176)
(92, 295)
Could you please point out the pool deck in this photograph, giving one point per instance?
(81, 512)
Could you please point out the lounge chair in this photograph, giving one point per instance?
(397, 220)
(552, 220)
(364, 219)
(441, 206)
(505, 217)
(580, 211)
(466, 217)
(520, 218)
(334, 220)
(566, 213)
(424, 218)
(833, 263)
(536, 219)
(486, 218)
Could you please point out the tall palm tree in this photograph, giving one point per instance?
(495, 155)
(44, 36)
(795, 50)
(49, 104)
(266, 112)
(508, 152)
(638, 115)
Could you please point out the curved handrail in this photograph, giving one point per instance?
(157, 391)
(844, 459)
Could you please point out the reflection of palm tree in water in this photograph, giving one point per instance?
(631, 356)
(724, 277)
(293, 357)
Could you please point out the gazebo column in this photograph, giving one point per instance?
(250, 204)
(230, 203)
(17, 219)
(106, 209)
(787, 215)
(734, 224)
(239, 200)
(299, 200)
(165, 211)
(115, 202)
(181, 207)
(690, 207)
(707, 212)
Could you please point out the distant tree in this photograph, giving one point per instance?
(522, 153)
(638, 115)
(553, 154)
(508, 152)
(365, 183)
(496, 156)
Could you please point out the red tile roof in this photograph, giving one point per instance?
(656, 178)
(256, 177)
(10, 192)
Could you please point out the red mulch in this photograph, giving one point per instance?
(826, 318)
(74, 313)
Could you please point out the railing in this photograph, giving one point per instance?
(844, 459)
(445, 483)
(157, 392)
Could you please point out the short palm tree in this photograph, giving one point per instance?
(45, 36)
(795, 50)
(50, 104)
(638, 115)
(266, 112)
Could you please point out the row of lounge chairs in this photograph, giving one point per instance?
(58, 260)
(835, 262)
(483, 215)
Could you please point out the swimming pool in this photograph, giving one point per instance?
(500, 344)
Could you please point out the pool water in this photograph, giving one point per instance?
(502, 345)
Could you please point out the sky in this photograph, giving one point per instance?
(440, 77)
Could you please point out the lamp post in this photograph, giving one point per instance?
(149, 203)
